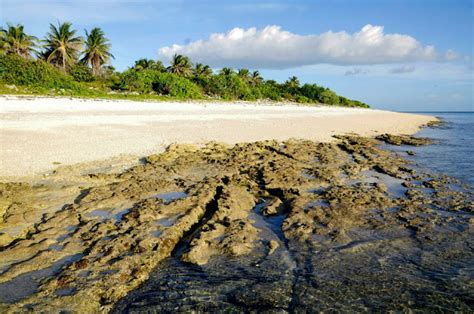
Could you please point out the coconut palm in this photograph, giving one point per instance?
(97, 50)
(227, 71)
(62, 45)
(244, 73)
(293, 82)
(148, 64)
(257, 78)
(181, 65)
(202, 70)
(13, 40)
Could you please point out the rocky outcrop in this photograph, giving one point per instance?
(295, 218)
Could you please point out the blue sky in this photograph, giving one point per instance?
(400, 55)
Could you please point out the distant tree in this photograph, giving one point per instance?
(181, 65)
(97, 50)
(312, 91)
(62, 46)
(202, 70)
(257, 78)
(226, 71)
(148, 64)
(13, 40)
(244, 73)
(292, 88)
(329, 97)
(293, 82)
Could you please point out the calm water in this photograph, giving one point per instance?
(453, 150)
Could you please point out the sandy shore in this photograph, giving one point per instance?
(37, 134)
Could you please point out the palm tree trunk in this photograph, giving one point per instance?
(96, 68)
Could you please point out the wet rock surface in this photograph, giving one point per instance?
(404, 140)
(264, 226)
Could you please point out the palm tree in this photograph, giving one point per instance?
(97, 51)
(257, 78)
(244, 73)
(293, 82)
(62, 46)
(181, 65)
(227, 71)
(148, 64)
(14, 40)
(202, 70)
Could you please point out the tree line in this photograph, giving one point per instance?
(86, 60)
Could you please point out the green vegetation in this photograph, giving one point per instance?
(97, 50)
(62, 46)
(13, 40)
(66, 64)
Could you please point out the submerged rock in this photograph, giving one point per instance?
(404, 140)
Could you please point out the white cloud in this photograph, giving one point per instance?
(451, 55)
(273, 47)
(403, 69)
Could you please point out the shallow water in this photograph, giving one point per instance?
(171, 196)
(27, 284)
(452, 152)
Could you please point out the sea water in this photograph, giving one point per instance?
(452, 152)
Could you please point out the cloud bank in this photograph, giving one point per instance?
(274, 48)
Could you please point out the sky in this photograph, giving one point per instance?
(405, 55)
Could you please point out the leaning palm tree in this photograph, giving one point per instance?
(62, 46)
(181, 65)
(13, 40)
(97, 50)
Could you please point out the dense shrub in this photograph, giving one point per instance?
(270, 90)
(175, 86)
(37, 73)
(82, 73)
(230, 86)
(303, 99)
(312, 91)
(328, 97)
(147, 81)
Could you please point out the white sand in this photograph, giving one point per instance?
(37, 132)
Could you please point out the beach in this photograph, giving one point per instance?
(117, 206)
(40, 133)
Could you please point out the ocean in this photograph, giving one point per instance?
(452, 152)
